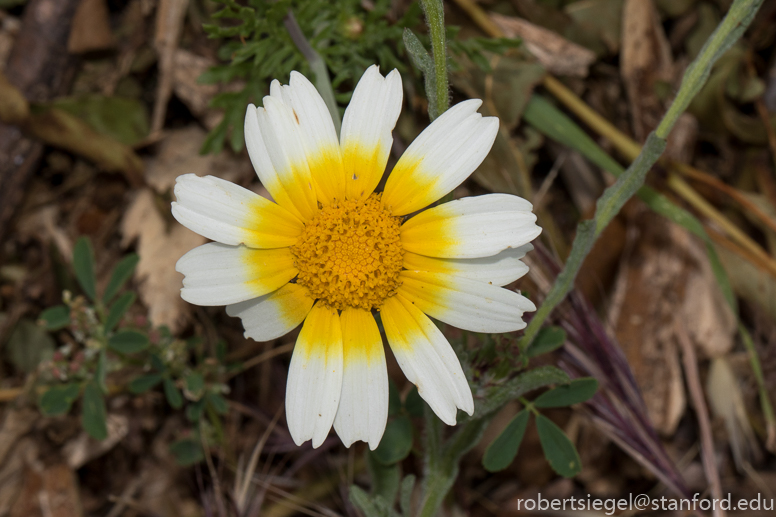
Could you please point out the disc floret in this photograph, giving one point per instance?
(350, 254)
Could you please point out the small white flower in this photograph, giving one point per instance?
(330, 252)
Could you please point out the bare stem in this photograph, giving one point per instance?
(435, 18)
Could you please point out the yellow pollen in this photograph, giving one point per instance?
(350, 254)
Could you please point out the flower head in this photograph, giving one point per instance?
(332, 253)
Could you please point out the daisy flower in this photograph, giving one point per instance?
(332, 253)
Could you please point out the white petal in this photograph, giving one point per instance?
(366, 130)
(320, 139)
(230, 214)
(276, 149)
(472, 227)
(426, 358)
(275, 314)
(280, 92)
(440, 158)
(218, 274)
(465, 303)
(315, 377)
(501, 269)
(363, 406)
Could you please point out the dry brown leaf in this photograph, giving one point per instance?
(16, 424)
(665, 278)
(179, 154)
(707, 317)
(91, 28)
(12, 472)
(649, 296)
(645, 61)
(557, 54)
(43, 223)
(727, 402)
(159, 249)
(169, 25)
(681, 140)
(161, 494)
(82, 449)
(197, 96)
(16, 452)
(750, 282)
(48, 492)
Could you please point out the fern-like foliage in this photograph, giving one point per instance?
(257, 48)
(476, 49)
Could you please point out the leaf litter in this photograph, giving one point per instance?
(138, 86)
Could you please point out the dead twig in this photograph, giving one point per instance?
(212, 469)
(243, 480)
(9, 394)
(732, 192)
(702, 412)
(269, 354)
(538, 200)
(131, 503)
(288, 503)
(126, 495)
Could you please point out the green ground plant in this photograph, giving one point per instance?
(101, 341)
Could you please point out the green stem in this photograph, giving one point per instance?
(432, 455)
(435, 18)
(548, 119)
(527, 404)
(732, 27)
(442, 460)
(439, 478)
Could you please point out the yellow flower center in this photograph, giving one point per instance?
(350, 254)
